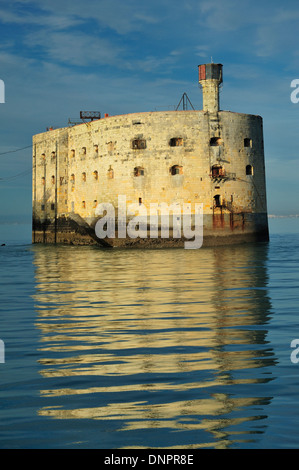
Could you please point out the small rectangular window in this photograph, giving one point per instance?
(247, 142)
(138, 144)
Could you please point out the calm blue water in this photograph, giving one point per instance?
(149, 349)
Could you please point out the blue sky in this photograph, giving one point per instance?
(118, 57)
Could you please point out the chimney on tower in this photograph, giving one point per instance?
(210, 77)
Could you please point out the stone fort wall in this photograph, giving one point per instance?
(216, 159)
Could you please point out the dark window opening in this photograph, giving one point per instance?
(216, 141)
(217, 171)
(176, 170)
(52, 207)
(43, 207)
(140, 201)
(176, 142)
(249, 170)
(138, 171)
(247, 142)
(217, 200)
(138, 144)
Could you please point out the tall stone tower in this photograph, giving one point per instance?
(210, 78)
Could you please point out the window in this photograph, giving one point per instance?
(138, 144)
(95, 203)
(140, 201)
(83, 151)
(96, 150)
(73, 153)
(43, 207)
(84, 176)
(53, 155)
(52, 206)
(72, 178)
(53, 179)
(83, 205)
(138, 171)
(176, 170)
(110, 173)
(217, 200)
(216, 141)
(43, 156)
(249, 170)
(96, 175)
(43, 181)
(218, 171)
(110, 146)
(247, 142)
(176, 142)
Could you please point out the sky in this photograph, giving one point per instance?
(124, 56)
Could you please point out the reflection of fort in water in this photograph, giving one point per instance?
(192, 325)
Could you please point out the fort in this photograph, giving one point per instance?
(209, 157)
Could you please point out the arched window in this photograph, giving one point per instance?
(95, 203)
(96, 175)
(72, 178)
(73, 153)
(249, 170)
(217, 200)
(138, 171)
(216, 141)
(53, 179)
(43, 181)
(176, 142)
(83, 205)
(138, 144)
(84, 176)
(176, 170)
(53, 155)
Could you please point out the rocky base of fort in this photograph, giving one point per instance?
(218, 229)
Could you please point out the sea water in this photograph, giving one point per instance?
(155, 349)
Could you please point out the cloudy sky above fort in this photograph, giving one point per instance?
(118, 57)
